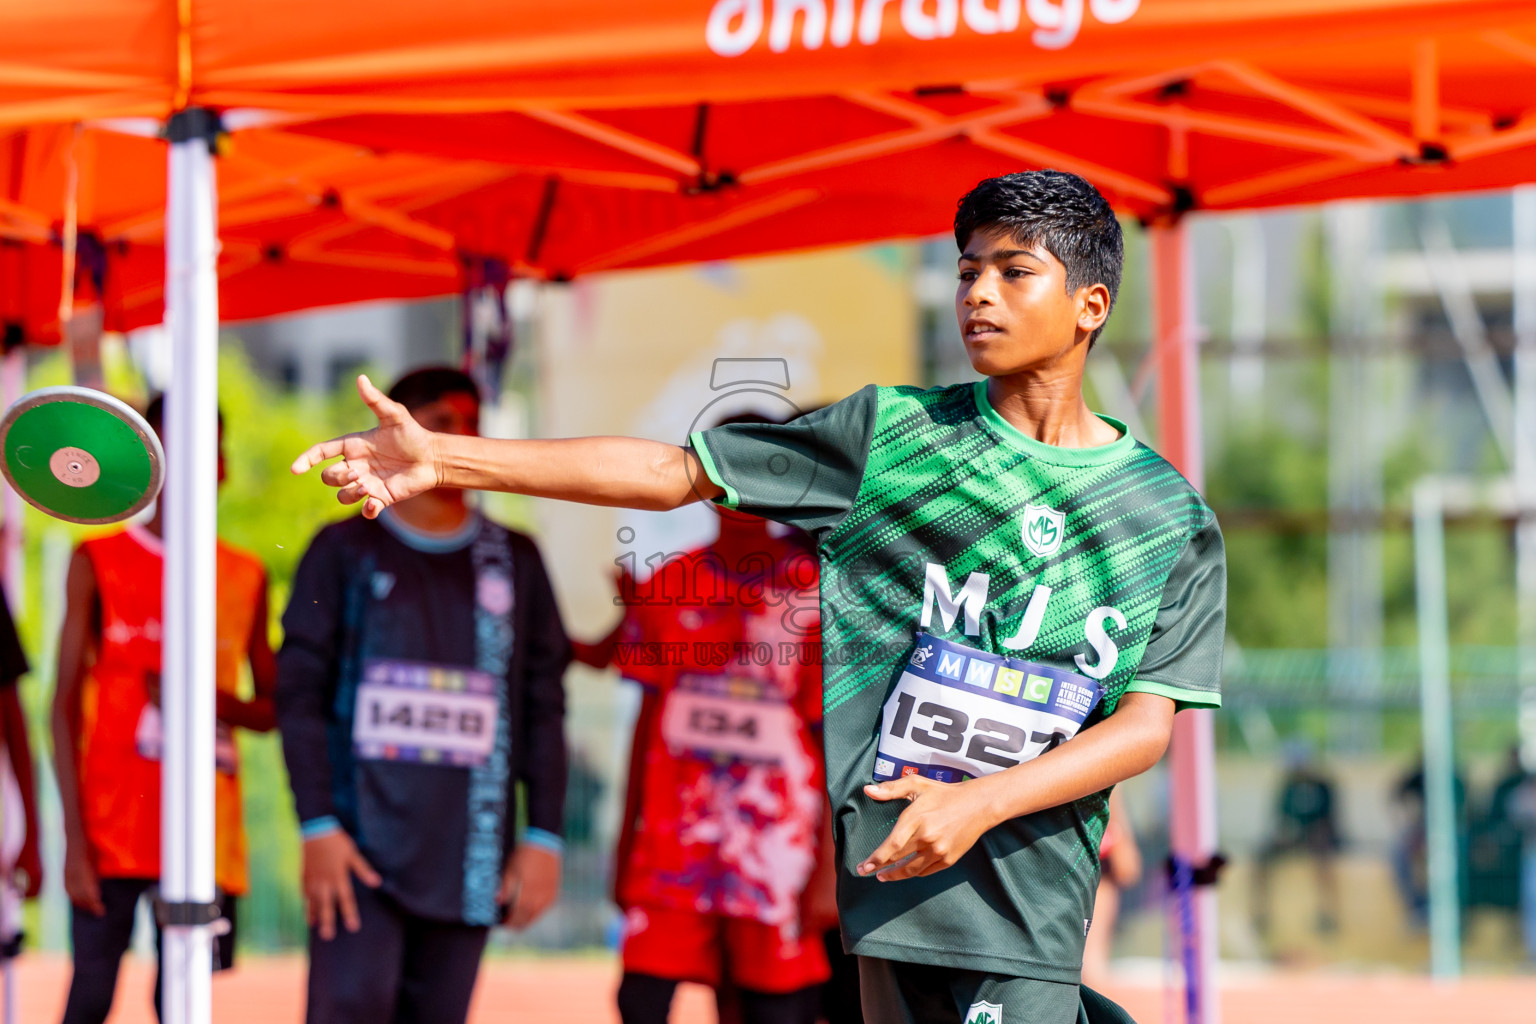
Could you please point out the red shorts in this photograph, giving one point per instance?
(682, 945)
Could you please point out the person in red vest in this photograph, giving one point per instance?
(107, 737)
(723, 866)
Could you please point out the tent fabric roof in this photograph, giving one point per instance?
(563, 139)
(77, 59)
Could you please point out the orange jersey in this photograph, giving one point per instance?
(120, 738)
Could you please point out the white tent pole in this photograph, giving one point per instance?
(1192, 754)
(191, 436)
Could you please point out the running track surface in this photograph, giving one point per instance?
(270, 990)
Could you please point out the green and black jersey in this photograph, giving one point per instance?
(1062, 576)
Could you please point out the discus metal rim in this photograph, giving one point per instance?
(120, 410)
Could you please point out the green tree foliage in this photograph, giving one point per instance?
(1266, 487)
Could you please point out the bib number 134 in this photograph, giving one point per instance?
(984, 741)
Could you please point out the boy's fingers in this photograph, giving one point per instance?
(893, 849)
(352, 493)
(338, 473)
(511, 882)
(326, 907)
(910, 866)
(372, 507)
(907, 786)
(317, 454)
(364, 871)
(387, 411)
(93, 898)
(346, 900)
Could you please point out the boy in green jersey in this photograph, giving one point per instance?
(1062, 581)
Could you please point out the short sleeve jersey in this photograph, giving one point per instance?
(932, 513)
(727, 779)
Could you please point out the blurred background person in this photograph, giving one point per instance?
(419, 689)
(724, 866)
(1119, 872)
(107, 739)
(1410, 857)
(1523, 815)
(1306, 823)
(26, 874)
(1494, 842)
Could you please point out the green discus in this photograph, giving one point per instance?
(80, 455)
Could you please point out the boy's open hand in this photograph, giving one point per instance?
(943, 820)
(529, 885)
(331, 861)
(80, 880)
(393, 461)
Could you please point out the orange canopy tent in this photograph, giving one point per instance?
(568, 138)
(78, 59)
(289, 207)
(561, 140)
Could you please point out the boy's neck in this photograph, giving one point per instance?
(1048, 406)
(441, 510)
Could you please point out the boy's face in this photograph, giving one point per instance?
(451, 414)
(1013, 307)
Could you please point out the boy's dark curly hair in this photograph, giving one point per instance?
(1056, 210)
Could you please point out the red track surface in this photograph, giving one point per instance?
(270, 990)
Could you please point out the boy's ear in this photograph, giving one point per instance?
(1092, 307)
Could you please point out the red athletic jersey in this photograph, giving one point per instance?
(726, 782)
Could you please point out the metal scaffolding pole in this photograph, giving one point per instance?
(1354, 485)
(1524, 448)
(191, 447)
(1438, 729)
(1192, 757)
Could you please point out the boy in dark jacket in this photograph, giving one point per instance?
(419, 682)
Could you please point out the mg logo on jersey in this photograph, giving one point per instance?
(1043, 530)
(984, 1013)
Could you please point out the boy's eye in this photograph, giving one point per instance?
(967, 275)
(1016, 272)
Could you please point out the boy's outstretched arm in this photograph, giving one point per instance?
(399, 458)
(945, 819)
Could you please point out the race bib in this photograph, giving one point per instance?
(723, 726)
(958, 713)
(433, 714)
(149, 741)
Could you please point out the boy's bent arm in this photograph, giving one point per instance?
(399, 459)
(944, 820)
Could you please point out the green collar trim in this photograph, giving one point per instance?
(1101, 455)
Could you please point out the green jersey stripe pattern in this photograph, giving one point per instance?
(933, 513)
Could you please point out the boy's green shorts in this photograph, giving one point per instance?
(902, 993)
